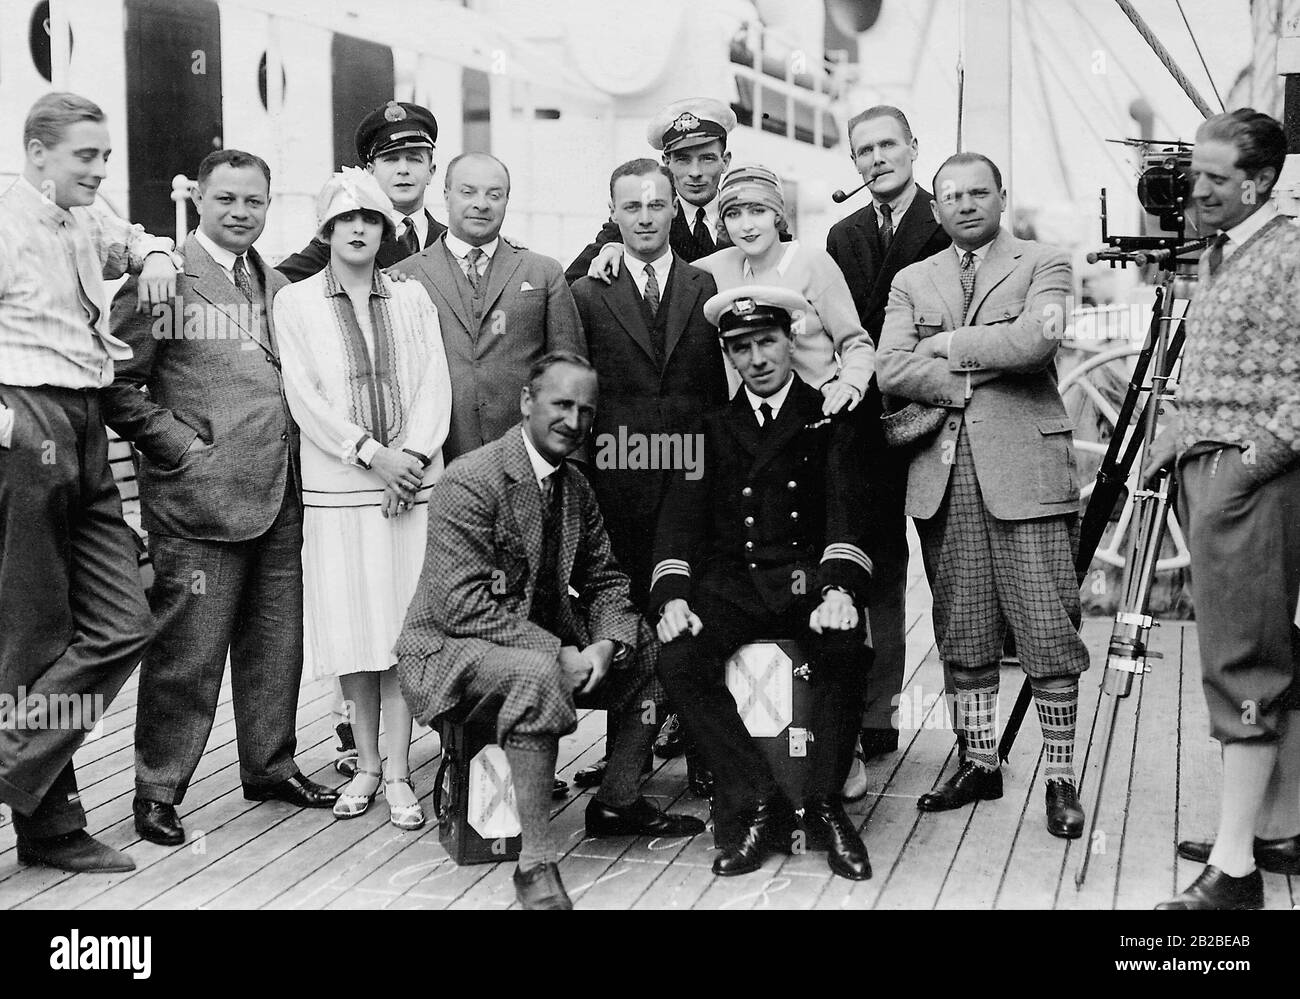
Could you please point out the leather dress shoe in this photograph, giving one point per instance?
(699, 779)
(591, 776)
(76, 852)
(1278, 856)
(641, 818)
(297, 790)
(1213, 889)
(829, 829)
(559, 788)
(877, 742)
(970, 783)
(671, 739)
(771, 830)
(157, 822)
(540, 887)
(1064, 813)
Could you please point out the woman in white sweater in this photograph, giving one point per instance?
(366, 379)
(832, 352)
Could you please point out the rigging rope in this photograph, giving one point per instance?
(1165, 57)
(1200, 55)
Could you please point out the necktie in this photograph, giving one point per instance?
(1216, 252)
(409, 237)
(886, 227)
(651, 290)
(703, 239)
(967, 282)
(766, 411)
(242, 279)
(471, 271)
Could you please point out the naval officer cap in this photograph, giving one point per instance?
(396, 125)
(754, 306)
(691, 122)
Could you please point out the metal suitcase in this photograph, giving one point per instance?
(770, 683)
(473, 797)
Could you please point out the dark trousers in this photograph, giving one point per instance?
(1244, 539)
(73, 617)
(212, 598)
(692, 669)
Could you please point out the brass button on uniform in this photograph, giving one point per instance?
(791, 484)
(749, 546)
(749, 521)
(794, 514)
(753, 565)
(747, 492)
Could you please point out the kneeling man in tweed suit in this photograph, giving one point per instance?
(514, 534)
(973, 330)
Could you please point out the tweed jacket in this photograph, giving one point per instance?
(1005, 349)
(791, 507)
(210, 369)
(526, 311)
(480, 575)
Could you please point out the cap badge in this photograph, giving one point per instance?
(394, 112)
(743, 306)
(686, 122)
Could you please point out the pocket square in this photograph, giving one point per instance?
(526, 287)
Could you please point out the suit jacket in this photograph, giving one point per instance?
(480, 576)
(791, 508)
(527, 311)
(645, 396)
(1019, 432)
(854, 244)
(313, 257)
(208, 370)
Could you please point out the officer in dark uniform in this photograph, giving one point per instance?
(764, 541)
(396, 143)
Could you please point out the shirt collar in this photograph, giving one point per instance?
(689, 212)
(332, 286)
(420, 222)
(460, 249)
(220, 255)
(1248, 226)
(898, 205)
(980, 254)
(47, 210)
(661, 264)
(776, 400)
(541, 467)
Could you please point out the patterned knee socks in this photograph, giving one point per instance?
(532, 770)
(1058, 712)
(976, 714)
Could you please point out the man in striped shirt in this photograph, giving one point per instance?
(74, 613)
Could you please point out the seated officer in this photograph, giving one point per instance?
(514, 529)
(763, 542)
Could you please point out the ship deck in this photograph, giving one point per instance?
(1162, 786)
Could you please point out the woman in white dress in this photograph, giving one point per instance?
(366, 379)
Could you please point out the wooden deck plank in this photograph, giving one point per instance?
(1038, 860)
(1146, 863)
(1112, 809)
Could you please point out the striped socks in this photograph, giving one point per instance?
(1058, 712)
(976, 709)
